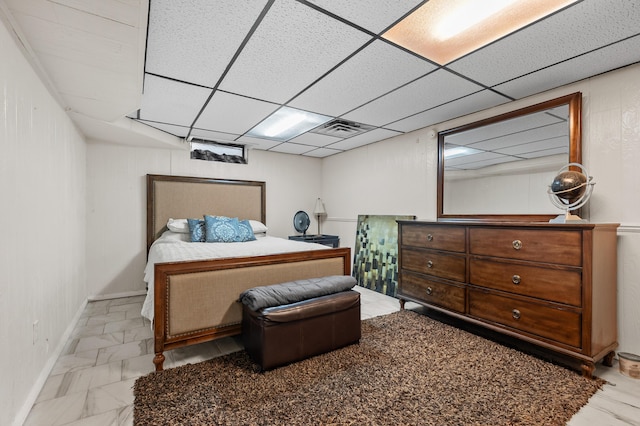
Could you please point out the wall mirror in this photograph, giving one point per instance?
(500, 168)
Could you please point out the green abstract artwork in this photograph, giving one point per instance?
(375, 261)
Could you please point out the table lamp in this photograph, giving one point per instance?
(319, 211)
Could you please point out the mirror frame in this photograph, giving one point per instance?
(574, 101)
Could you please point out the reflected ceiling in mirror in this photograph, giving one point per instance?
(500, 168)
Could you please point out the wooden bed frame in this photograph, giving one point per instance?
(196, 301)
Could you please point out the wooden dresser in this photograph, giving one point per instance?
(547, 284)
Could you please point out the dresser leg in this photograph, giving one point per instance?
(401, 304)
(608, 359)
(587, 369)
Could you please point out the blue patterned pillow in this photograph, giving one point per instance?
(221, 229)
(246, 232)
(196, 230)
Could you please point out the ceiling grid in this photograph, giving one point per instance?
(216, 70)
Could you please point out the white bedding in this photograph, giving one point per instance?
(172, 247)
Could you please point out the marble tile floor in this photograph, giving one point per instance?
(112, 345)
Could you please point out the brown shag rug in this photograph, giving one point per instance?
(407, 370)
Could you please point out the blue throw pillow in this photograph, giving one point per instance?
(221, 229)
(246, 232)
(196, 230)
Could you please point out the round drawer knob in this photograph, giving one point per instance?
(429, 291)
(515, 314)
(517, 244)
(516, 279)
(429, 237)
(429, 264)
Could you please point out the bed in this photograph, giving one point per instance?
(195, 301)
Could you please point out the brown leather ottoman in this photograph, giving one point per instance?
(280, 335)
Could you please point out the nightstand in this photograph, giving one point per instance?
(327, 240)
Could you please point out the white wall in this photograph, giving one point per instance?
(516, 193)
(42, 187)
(399, 176)
(116, 203)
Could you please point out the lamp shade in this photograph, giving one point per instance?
(319, 209)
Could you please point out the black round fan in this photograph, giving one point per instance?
(301, 222)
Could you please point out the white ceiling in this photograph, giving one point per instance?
(215, 69)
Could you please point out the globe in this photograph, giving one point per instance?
(570, 190)
(569, 186)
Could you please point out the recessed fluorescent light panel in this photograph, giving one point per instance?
(459, 151)
(445, 30)
(287, 123)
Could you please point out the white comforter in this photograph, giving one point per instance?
(172, 247)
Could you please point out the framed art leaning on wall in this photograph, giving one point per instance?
(375, 260)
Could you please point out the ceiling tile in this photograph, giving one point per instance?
(582, 27)
(125, 12)
(315, 139)
(614, 56)
(292, 148)
(85, 76)
(169, 101)
(178, 131)
(77, 84)
(490, 143)
(535, 146)
(473, 158)
(377, 69)
(293, 46)
(257, 143)
(91, 53)
(373, 15)
(233, 114)
(432, 90)
(84, 42)
(478, 161)
(194, 40)
(323, 152)
(214, 136)
(66, 12)
(364, 139)
(545, 153)
(516, 130)
(467, 105)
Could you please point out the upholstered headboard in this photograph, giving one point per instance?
(182, 197)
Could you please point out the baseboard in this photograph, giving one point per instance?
(97, 297)
(21, 415)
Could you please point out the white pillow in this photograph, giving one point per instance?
(178, 225)
(258, 227)
(170, 236)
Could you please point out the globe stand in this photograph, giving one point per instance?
(567, 218)
(572, 197)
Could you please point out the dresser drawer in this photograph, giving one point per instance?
(435, 237)
(438, 264)
(539, 245)
(541, 320)
(433, 292)
(558, 285)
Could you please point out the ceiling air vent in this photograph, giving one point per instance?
(342, 128)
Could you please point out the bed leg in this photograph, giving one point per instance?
(158, 360)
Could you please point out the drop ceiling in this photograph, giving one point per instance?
(159, 71)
